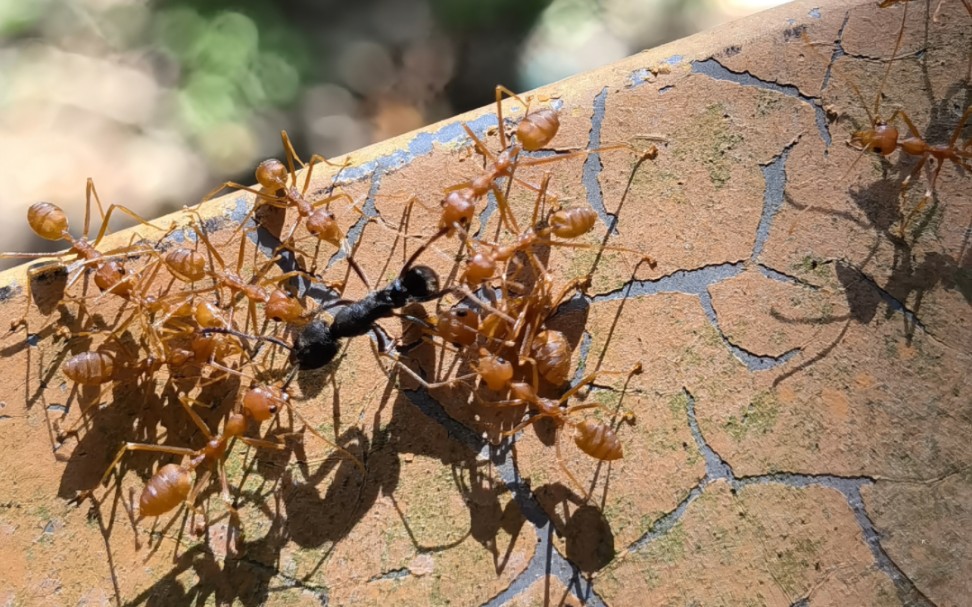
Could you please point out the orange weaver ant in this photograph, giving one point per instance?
(50, 222)
(172, 484)
(883, 138)
(263, 401)
(595, 438)
(272, 176)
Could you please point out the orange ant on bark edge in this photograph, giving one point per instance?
(534, 131)
(49, 221)
(272, 176)
(883, 138)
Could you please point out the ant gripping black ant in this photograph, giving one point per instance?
(318, 342)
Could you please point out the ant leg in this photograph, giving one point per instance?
(532, 420)
(262, 444)
(563, 466)
(32, 273)
(184, 401)
(327, 200)
(467, 294)
(360, 272)
(241, 256)
(897, 45)
(183, 451)
(251, 315)
(506, 213)
(262, 197)
(408, 263)
(197, 486)
(357, 462)
(479, 145)
(89, 190)
(211, 251)
(960, 126)
(929, 192)
(449, 383)
(292, 154)
(106, 217)
(911, 126)
(589, 379)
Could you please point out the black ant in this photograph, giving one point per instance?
(317, 344)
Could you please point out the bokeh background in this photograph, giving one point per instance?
(159, 102)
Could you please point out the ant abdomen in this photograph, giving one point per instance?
(47, 220)
(573, 222)
(552, 352)
(90, 368)
(167, 488)
(272, 175)
(186, 264)
(598, 440)
(537, 129)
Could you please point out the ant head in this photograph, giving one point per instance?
(322, 224)
(261, 402)
(458, 207)
(421, 283)
(315, 346)
(882, 139)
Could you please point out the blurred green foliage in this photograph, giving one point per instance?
(234, 60)
(482, 14)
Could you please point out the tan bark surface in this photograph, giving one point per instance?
(799, 435)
